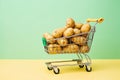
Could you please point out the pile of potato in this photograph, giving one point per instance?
(66, 40)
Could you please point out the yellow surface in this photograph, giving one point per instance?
(36, 70)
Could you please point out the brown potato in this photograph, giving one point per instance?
(58, 32)
(85, 28)
(76, 31)
(71, 48)
(68, 32)
(79, 40)
(70, 23)
(54, 48)
(78, 25)
(84, 49)
(49, 38)
(62, 41)
(85, 35)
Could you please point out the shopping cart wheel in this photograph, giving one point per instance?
(49, 68)
(56, 70)
(88, 68)
(81, 66)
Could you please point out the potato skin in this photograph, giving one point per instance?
(78, 25)
(71, 48)
(58, 32)
(68, 32)
(62, 41)
(54, 48)
(70, 23)
(85, 28)
(84, 49)
(76, 31)
(49, 37)
(79, 40)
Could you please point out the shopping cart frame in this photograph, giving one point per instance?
(83, 58)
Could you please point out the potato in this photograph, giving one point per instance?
(49, 38)
(78, 25)
(79, 40)
(71, 48)
(68, 32)
(84, 49)
(54, 48)
(76, 31)
(85, 35)
(62, 41)
(58, 32)
(85, 28)
(70, 23)
(66, 49)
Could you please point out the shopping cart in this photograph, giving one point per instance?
(83, 58)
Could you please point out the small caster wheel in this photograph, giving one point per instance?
(81, 66)
(88, 68)
(56, 70)
(49, 68)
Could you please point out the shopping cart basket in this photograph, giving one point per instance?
(83, 58)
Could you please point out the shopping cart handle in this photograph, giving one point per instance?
(100, 20)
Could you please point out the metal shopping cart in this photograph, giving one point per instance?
(83, 58)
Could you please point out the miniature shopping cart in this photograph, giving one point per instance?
(83, 58)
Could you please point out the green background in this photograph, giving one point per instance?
(22, 23)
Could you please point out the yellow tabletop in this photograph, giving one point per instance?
(36, 70)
